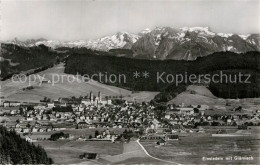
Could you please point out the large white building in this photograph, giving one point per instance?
(96, 101)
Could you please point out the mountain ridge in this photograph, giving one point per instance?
(162, 43)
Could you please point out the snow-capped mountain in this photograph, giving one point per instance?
(119, 40)
(190, 43)
(164, 43)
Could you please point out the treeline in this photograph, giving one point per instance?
(15, 150)
(93, 62)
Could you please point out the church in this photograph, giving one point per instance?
(96, 101)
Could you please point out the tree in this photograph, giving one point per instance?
(96, 133)
(90, 137)
(196, 110)
(21, 111)
(15, 150)
(28, 125)
(214, 123)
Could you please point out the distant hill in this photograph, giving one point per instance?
(15, 150)
(227, 62)
(195, 95)
(15, 59)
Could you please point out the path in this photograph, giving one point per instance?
(153, 156)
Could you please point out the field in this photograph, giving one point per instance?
(198, 95)
(192, 149)
(188, 150)
(64, 151)
(10, 118)
(143, 96)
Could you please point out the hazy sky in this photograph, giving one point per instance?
(89, 19)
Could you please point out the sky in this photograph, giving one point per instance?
(66, 20)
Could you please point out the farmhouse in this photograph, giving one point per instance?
(161, 142)
(88, 155)
(153, 137)
(172, 137)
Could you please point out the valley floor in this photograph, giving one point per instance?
(188, 150)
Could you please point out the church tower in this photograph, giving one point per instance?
(91, 97)
(99, 96)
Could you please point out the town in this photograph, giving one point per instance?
(140, 120)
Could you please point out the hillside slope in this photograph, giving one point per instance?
(225, 62)
(64, 88)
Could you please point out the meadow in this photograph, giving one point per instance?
(192, 149)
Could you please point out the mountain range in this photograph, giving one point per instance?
(162, 43)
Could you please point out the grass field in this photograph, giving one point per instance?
(198, 95)
(66, 152)
(188, 150)
(130, 150)
(10, 118)
(191, 150)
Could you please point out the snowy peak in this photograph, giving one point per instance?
(189, 43)
(119, 40)
(199, 30)
(145, 31)
(186, 43)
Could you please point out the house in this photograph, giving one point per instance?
(171, 106)
(14, 112)
(26, 130)
(11, 104)
(29, 139)
(82, 124)
(7, 110)
(86, 102)
(130, 102)
(186, 110)
(50, 105)
(172, 137)
(88, 156)
(161, 142)
(35, 129)
(153, 137)
(46, 81)
(6, 104)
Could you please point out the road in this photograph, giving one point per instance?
(166, 161)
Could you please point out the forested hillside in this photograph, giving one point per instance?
(227, 62)
(15, 59)
(15, 150)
